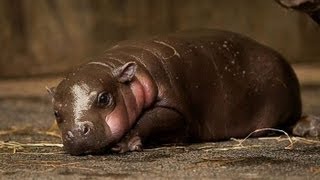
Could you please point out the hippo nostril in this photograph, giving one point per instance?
(85, 129)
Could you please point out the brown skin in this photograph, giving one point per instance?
(310, 7)
(197, 86)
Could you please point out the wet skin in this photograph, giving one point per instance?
(194, 86)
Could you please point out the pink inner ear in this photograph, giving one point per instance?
(126, 72)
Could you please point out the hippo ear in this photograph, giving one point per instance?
(126, 72)
(51, 91)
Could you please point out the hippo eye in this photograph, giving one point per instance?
(57, 115)
(104, 99)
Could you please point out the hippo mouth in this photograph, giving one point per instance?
(95, 140)
(84, 147)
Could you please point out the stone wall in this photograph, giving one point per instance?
(49, 37)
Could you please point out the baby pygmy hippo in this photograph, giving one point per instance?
(192, 86)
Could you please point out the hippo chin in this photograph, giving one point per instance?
(192, 86)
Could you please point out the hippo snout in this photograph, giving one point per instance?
(84, 138)
(81, 130)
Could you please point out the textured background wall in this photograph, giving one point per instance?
(51, 36)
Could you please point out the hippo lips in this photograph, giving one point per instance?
(88, 145)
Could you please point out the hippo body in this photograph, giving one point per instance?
(192, 86)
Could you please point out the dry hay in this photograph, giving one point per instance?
(17, 146)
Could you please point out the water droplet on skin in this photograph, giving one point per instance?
(233, 62)
(224, 45)
(70, 135)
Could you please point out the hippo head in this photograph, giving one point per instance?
(90, 108)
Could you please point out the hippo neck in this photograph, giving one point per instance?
(148, 87)
(144, 92)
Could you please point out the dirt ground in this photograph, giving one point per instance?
(28, 150)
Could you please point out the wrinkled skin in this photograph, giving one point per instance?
(185, 87)
(310, 7)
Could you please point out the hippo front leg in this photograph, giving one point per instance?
(159, 122)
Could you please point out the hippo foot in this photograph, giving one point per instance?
(128, 144)
(307, 126)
